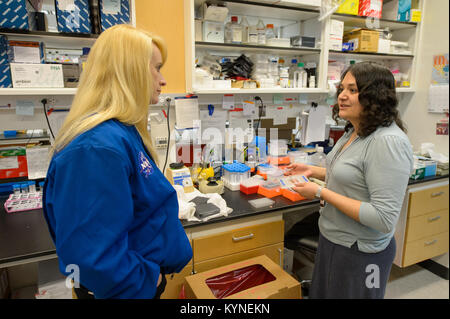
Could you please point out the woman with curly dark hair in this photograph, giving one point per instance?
(366, 177)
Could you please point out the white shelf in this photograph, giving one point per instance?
(259, 91)
(405, 90)
(38, 91)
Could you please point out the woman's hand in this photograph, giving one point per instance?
(298, 169)
(159, 280)
(307, 190)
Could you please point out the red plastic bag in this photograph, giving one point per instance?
(238, 280)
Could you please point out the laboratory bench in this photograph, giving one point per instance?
(245, 233)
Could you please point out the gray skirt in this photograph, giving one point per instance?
(347, 273)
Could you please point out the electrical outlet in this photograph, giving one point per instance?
(51, 100)
(161, 142)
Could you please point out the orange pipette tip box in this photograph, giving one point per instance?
(284, 160)
(291, 195)
(249, 190)
(269, 192)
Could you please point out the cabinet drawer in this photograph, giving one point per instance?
(237, 240)
(174, 284)
(427, 225)
(428, 200)
(425, 248)
(274, 252)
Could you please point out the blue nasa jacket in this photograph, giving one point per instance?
(111, 212)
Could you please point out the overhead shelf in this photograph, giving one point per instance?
(231, 47)
(259, 91)
(361, 22)
(37, 91)
(380, 56)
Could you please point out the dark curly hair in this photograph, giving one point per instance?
(376, 87)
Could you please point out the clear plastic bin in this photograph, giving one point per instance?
(298, 157)
(278, 148)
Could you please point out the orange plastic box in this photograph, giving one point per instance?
(249, 190)
(291, 195)
(283, 160)
(269, 192)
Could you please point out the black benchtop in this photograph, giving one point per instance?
(25, 235)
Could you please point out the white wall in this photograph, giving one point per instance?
(413, 107)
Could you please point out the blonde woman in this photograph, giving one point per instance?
(109, 209)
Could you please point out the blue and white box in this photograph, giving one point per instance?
(114, 12)
(3, 49)
(73, 16)
(17, 14)
(5, 76)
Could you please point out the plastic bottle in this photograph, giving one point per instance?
(245, 29)
(233, 31)
(252, 34)
(82, 60)
(16, 188)
(319, 158)
(284, 77)
(270, 32)
(292, 70)
(261, 30)
(303, 76)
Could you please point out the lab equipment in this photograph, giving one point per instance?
(251, 185)
(298, 157)
(261, 30)
(23, 202)
(206, 210)
(212, 185)
(269, 189)
(178, 174)
(319, 158)
(16, 188)
(234, 174)
(263, 169)
(261, 202)
(290, 181)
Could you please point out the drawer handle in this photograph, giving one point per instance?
(432, 219)
(437, 194)
(428, 243)
(280, 252)
(243, 237)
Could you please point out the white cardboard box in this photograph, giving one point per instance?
(37, 75)
(337, 28)
(384, 46)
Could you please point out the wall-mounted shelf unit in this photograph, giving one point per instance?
(37, 91)
(307, 20)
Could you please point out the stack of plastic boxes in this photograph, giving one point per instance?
(234, 174)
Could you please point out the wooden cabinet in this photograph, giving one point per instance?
(237, 240)
(423, 229)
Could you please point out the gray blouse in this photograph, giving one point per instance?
(374, 170)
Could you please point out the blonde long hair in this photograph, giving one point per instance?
(116, 83)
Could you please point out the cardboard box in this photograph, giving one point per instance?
(14, 162)
(111, 15)
(279, 284)
(18, 14)
(364, 40)
(37, 75)
(402, 10)
(337, 27)
(384, 46)
(3, 49)
(213, 32)
(349, 7)
(24, 52)
(370, 8)
(73, 16)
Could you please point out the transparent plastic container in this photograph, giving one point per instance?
(274, 175)
(270, 32)
(278, 148)
(298, 157)
(261, 30)
(233, 31)
(319, 158)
